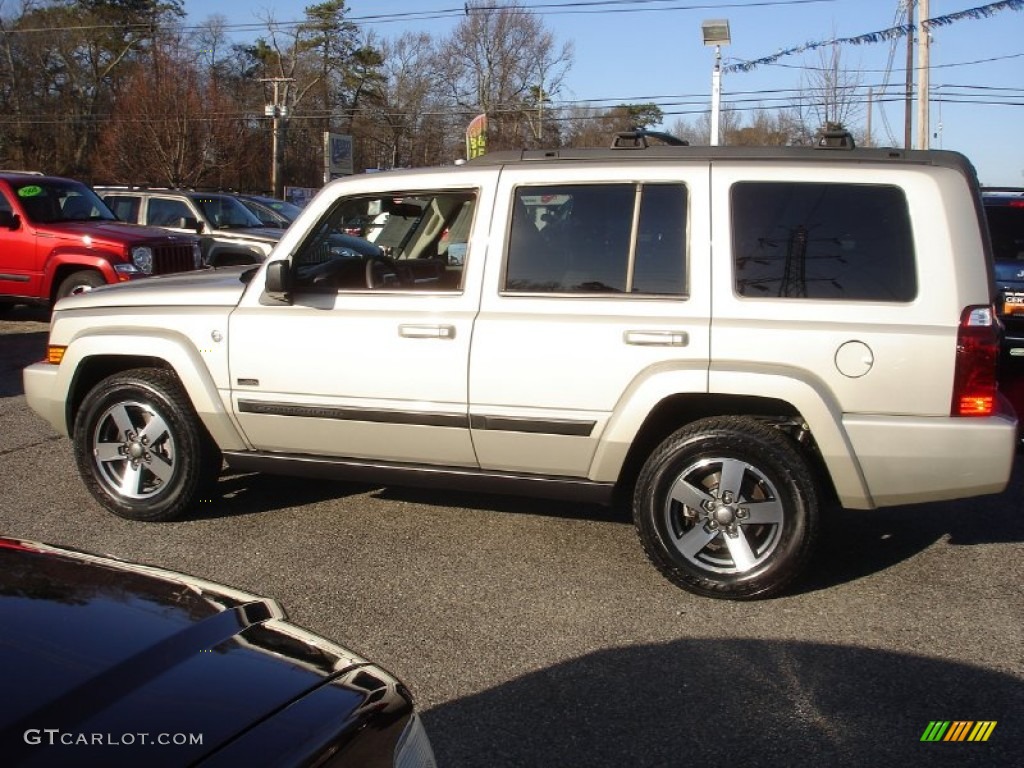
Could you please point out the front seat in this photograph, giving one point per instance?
(77, 208)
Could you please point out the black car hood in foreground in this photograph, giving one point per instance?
(101, 658)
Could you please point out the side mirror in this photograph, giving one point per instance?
(9, 220)
(279, 277)
(187, 222)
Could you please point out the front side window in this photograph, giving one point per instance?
(394, 241)
(822, 241)
(598, 238)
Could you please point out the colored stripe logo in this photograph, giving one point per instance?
(958, 730)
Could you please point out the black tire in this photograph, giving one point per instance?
(82, 280)
(721, 544)
(156, 476)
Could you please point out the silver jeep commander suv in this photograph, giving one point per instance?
(732, 338)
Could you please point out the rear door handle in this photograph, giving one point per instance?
(427, 331)
(657, 338)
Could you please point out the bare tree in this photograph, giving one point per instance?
(829, 96)
(501, 61)
(698, 130)
(171, 126)
(405, 124)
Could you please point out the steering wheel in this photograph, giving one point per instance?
(381, 269)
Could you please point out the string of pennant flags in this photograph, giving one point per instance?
(883, 35)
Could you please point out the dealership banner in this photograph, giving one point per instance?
(337, 155)
(476, 137)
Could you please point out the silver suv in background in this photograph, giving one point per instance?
(230, 233)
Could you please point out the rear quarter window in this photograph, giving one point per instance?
(822, 241)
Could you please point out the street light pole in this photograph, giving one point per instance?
(716, 33)
(716, 96)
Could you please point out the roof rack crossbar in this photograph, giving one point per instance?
(638, 139)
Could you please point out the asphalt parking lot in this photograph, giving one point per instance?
(536, 634)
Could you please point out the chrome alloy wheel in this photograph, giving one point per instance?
(724, 515)
(134, 450)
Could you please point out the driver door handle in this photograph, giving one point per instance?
(657, 338)
(427, 331)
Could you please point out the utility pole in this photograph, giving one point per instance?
(923, 80)
(908, 97)
(278, 111)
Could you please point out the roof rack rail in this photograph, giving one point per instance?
(836, 138)
(638, 139)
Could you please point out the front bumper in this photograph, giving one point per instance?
(45, 396)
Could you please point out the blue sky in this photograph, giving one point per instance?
(658, 55)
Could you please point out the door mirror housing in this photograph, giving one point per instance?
(187, 222)
(279, 279)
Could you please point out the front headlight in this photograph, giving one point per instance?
(143, 258)
(197, 255)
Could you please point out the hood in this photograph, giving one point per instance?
(111, 231)
(97, 645)
(219, 287)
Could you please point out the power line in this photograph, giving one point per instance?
(540, 9)
(887, 70)
(882, 35)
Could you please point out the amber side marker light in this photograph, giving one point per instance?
(54, 354)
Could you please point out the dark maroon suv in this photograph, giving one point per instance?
(57, 238)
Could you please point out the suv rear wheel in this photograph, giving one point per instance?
(140, 447)
(727, 507)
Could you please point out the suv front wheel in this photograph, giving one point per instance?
(140, 447)
(79, 282)
(727, 507)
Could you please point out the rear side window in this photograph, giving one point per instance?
(124, 207)
(598, 238)
(822, 241)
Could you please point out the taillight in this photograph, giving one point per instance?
(977, 353)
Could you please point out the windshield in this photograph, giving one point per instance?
(48, 201)
(225, 212)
